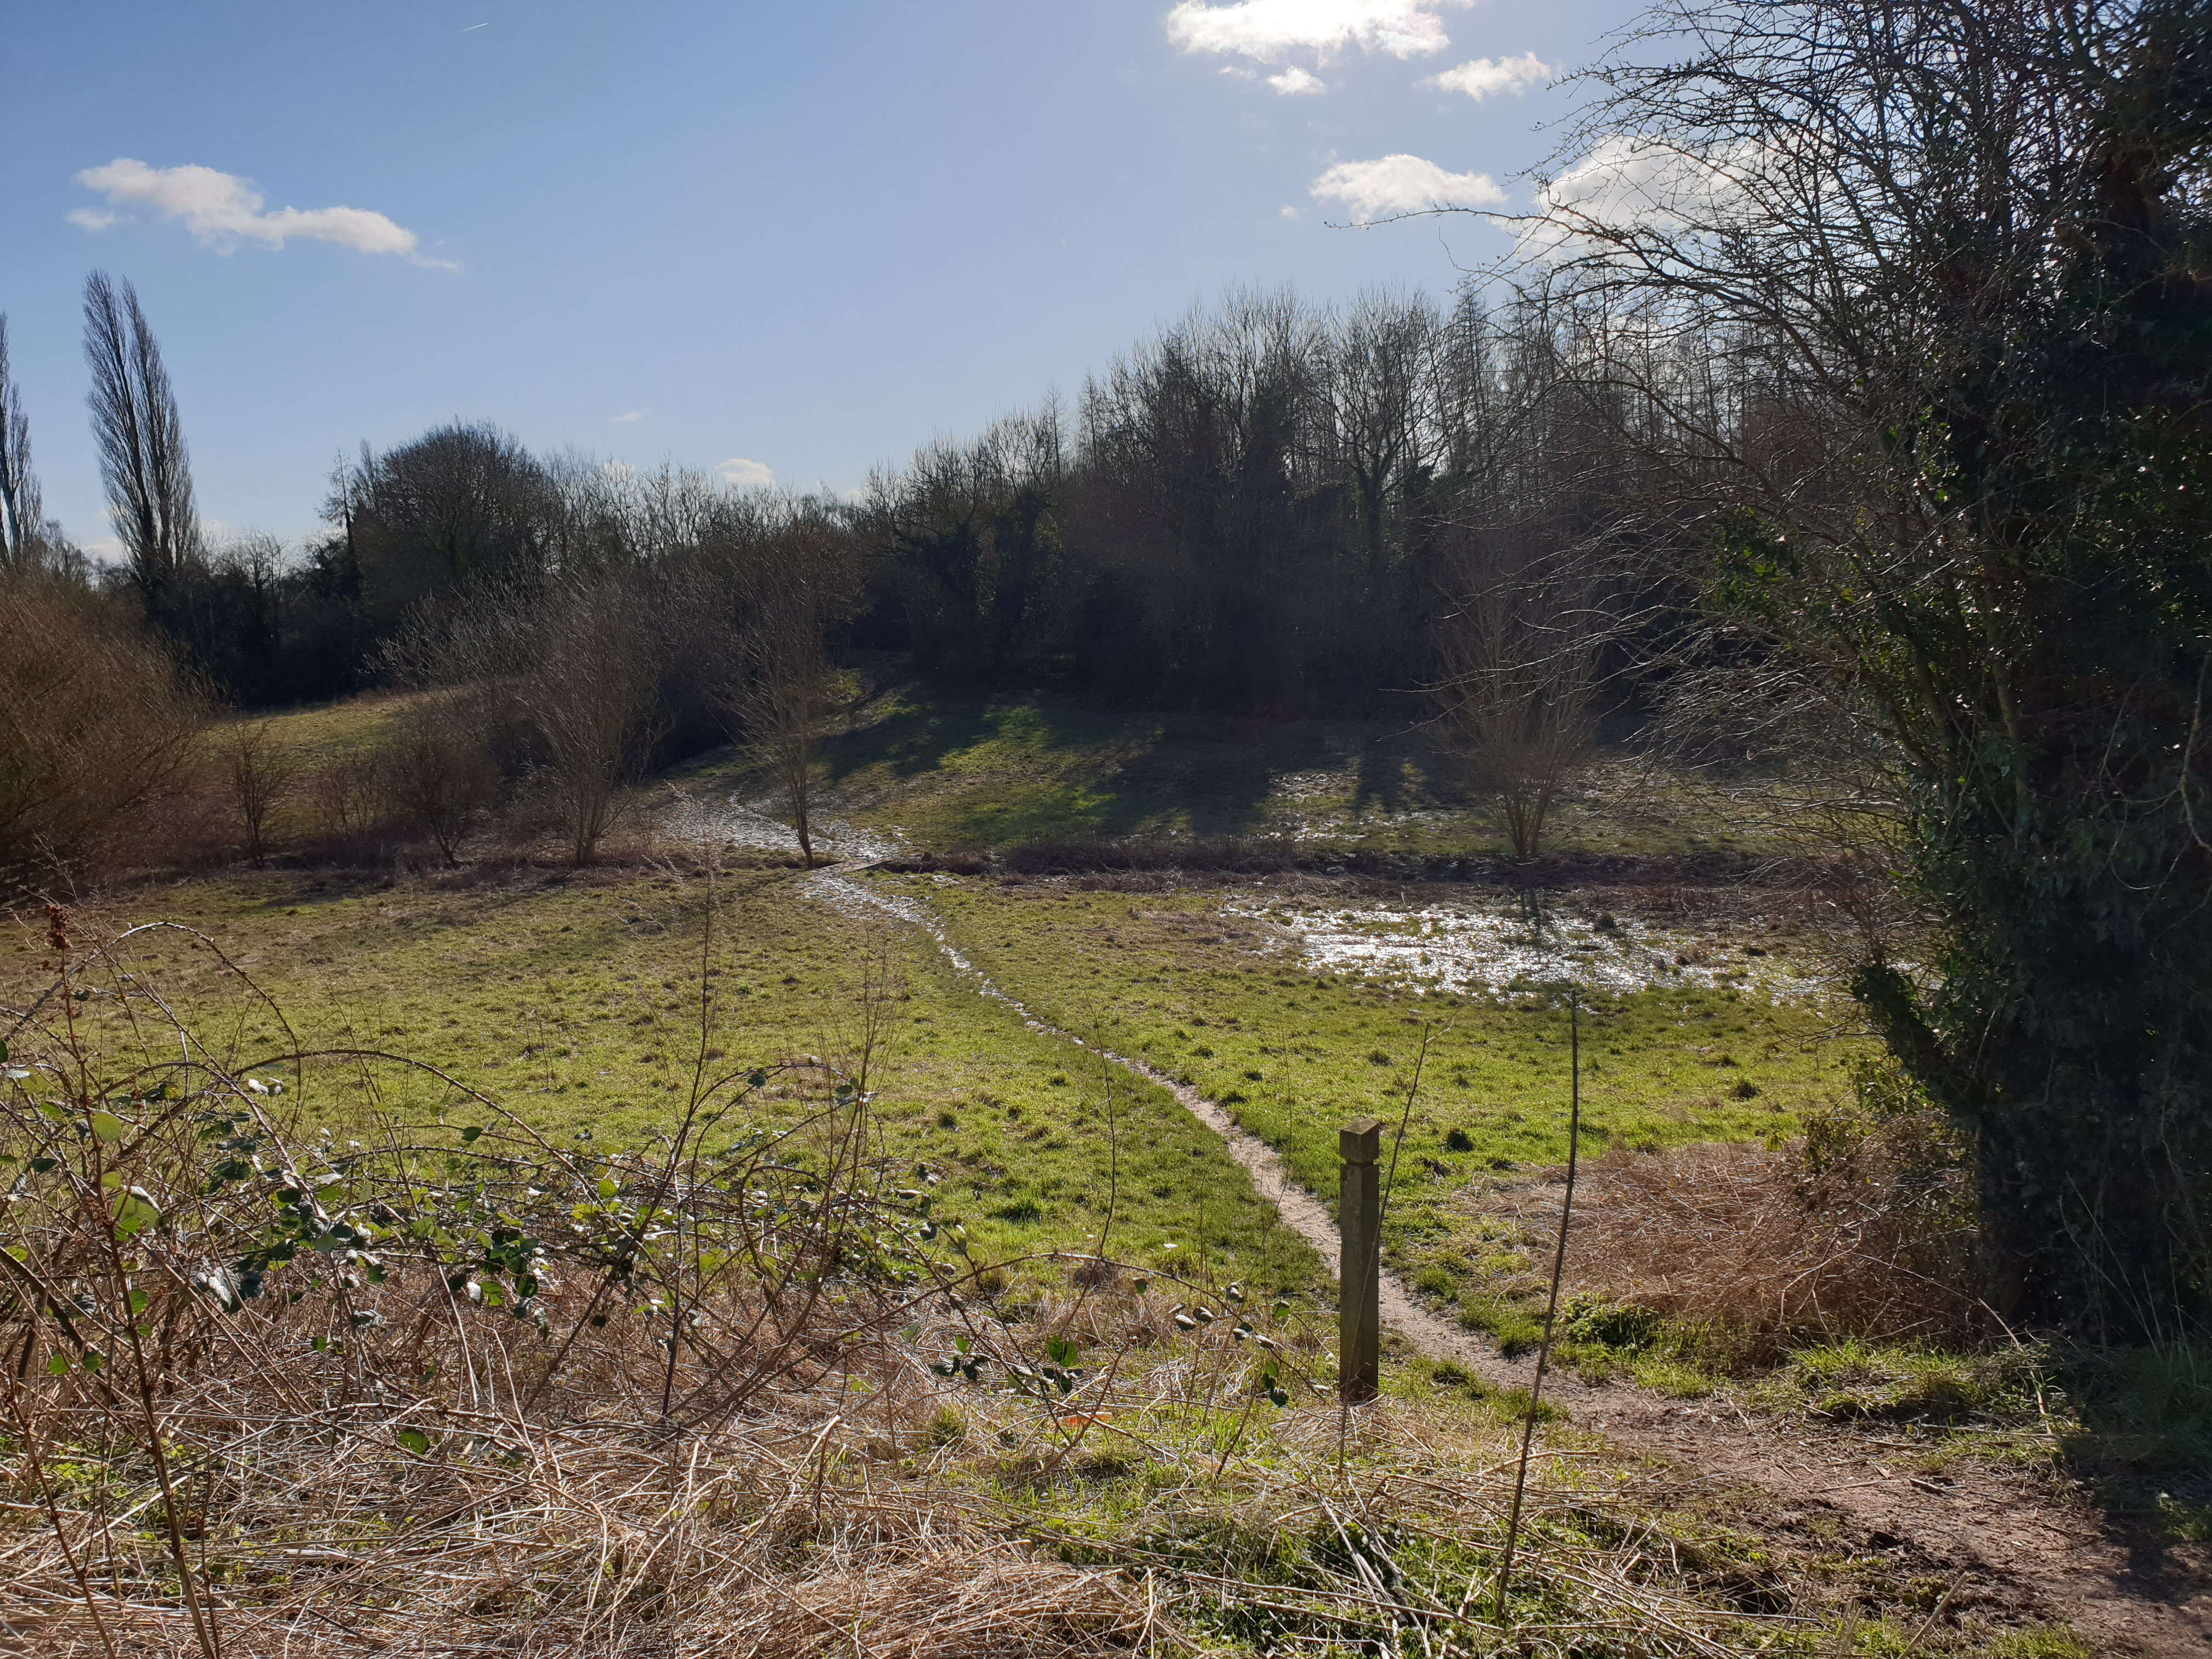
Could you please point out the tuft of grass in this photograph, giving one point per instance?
(1864, 1381)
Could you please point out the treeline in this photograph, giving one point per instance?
(1264, 507)
(574, 624)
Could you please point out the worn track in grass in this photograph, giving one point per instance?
(1999, 1543)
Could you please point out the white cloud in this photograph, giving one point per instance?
(222, 210)
(746, 475)
(91, 218)
(1482, 77)
(1269, 30)
(1625, 185)
(1403, 184)
(1295, 81)
(633, 415)
(1290, 212)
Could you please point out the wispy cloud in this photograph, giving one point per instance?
(1270, 30)
(1479, 79)
(222, 210)
(1294, 82)
(1403, 184)
(746, 475)
(628, 416)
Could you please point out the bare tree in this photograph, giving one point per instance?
(140, 438)
(1904, 306)
(586, 692)
(434, 774)
(781, 695)
(1519, 657)
(20, 514)
(259, 774)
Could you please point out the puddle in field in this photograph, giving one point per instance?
(1498, 949)
(735, 824)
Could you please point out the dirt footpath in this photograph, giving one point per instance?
(2010, 1547)
(1999, 1542)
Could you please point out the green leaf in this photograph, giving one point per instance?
(58, 1365)
(45, 1165)
(107, 1127)
(472, 1132)
(136, 1213)
(416, 1441)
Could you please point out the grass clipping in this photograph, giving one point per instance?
(452, 1389)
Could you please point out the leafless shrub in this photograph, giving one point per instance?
(96, 724)
(259, 774)
(1517, 653)
(351, 796)
(435, 774)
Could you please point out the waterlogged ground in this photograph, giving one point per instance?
(1510, 947)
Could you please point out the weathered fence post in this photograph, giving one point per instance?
(1359, 1331)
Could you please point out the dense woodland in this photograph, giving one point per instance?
(1868, 430)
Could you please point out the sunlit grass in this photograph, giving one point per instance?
(574, 1002)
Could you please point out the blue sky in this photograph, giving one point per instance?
(804, 237)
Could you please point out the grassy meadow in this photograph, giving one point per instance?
(574, 1001)
(584, 1002)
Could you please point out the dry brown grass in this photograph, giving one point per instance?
(1766, 1246)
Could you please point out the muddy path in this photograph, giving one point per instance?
(2009, 1546)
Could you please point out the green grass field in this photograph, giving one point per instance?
(574, 998)
(1189, 982)
(573, 1001)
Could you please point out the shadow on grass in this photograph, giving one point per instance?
(1042, 773)
(2148, 1408)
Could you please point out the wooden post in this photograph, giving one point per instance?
(1359, 1329)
